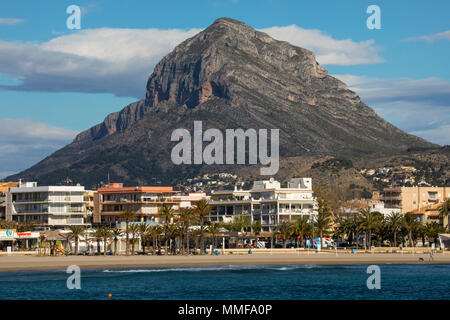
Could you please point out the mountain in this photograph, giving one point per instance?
(228, 76)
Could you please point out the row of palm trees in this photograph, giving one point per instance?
(304, 227)
(174, 228)
(174, 233)
(376, 227)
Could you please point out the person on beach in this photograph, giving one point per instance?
(431, 255)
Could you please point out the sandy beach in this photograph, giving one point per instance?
(15, 263)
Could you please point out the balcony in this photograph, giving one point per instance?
(66, 222)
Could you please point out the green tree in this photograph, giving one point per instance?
(167, 213)
(143, 232)
(116, 233)
(444, 212)
(134, 229)
(106, 234)
(98, 235)
(347, 228)
(432, 231)
(302, 227)
(395, 223)
(155, 232)
(127, 216)
(324, 218)
(214, 230)
(172, 232)
(202, 210)
(187, 216)
(411, 224)
(369, 221)
(257, 227)
(285, 229)
(76, 232)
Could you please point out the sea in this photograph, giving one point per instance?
(258, 282)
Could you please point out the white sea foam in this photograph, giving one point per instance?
(214, 268)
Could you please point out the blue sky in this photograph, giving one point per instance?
(62, 81)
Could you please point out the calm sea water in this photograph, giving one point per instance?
(407, 281)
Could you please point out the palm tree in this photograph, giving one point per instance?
(202, 210)
(76, 232)
(285, 229)
(127, 216)
(347, 228)
(239, 224)
(214, 230)
(257, 227)
(369, 221)
(154, 232)
(25, 226)
(134, 229)
(86, 237)
(432, 230)
(395, 222)
(324, 217)
(187, 215)
(167, 213)
(196, 234)
(143, 231)
(302, 227)
(116, 233)
(172, 232)
(98, 235)
(444, 212)
(106, 234)
(410, 223)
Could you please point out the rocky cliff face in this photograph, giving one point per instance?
(228, 76)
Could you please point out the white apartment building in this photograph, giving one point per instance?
(2, 205)
(54, 206)
(266, 202)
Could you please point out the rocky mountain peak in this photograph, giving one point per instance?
(221, 60)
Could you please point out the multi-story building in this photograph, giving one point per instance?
(353, 207)
(190, 199)
(430, 213)
(413, 198)
(112, 199)
(54, 206)
(89, 204)
(266, 202)
(4, 188)
(2, 205)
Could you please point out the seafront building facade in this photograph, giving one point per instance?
(409, 199)
(266, 202)
(112, 199)
(4, 188)
(430, 213)
(53, 206)
(353, 207)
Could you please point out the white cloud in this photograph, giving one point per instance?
(445, 35)
(10, 21)
(328, 50)
(32, 130)
(24, 142)
(119, 61)
(418, 106)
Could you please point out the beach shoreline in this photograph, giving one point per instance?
(23, 263)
